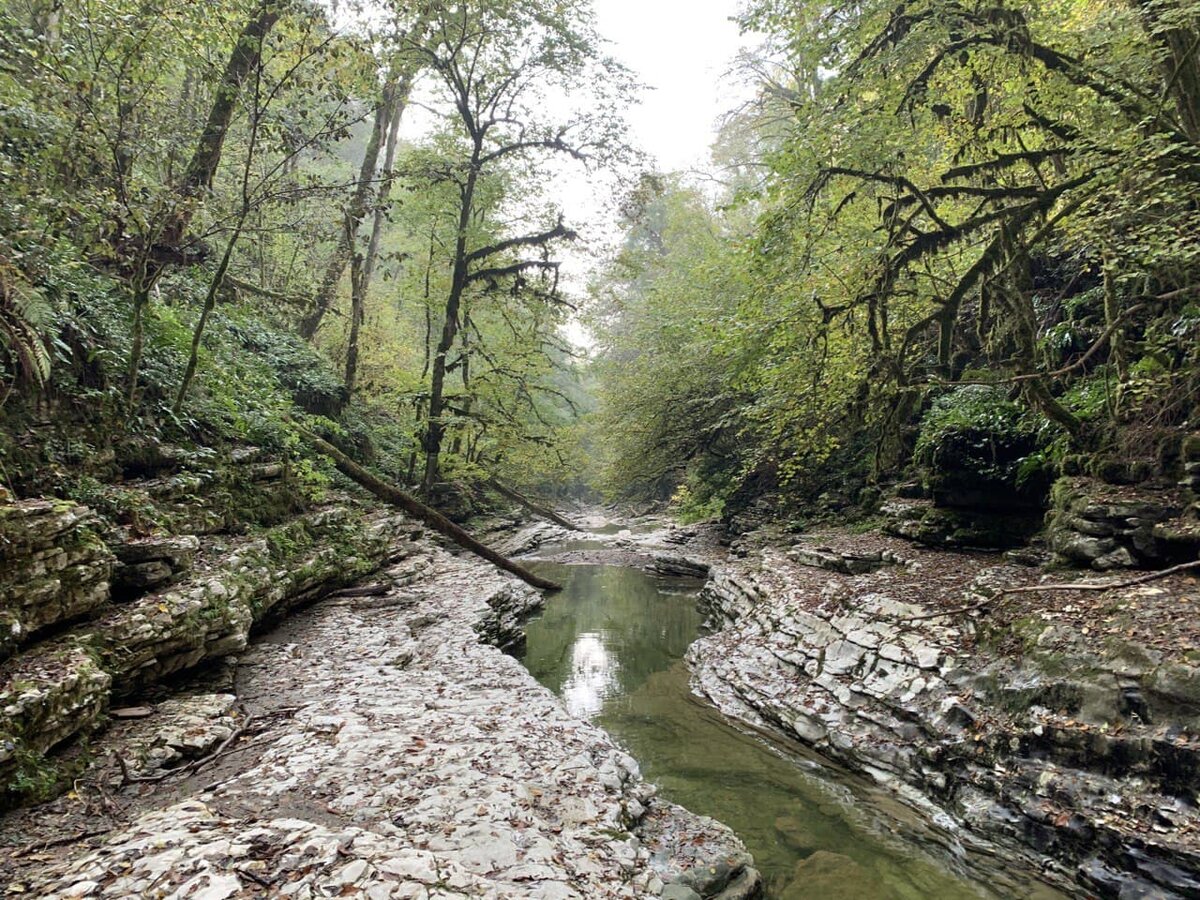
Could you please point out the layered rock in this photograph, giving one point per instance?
(850, 561)
(45, 699)
(677, 566)
(402, 757)
(1108, 526)
(54, 568)
(149, 563)
(925, 522)
(1081, 750)
(60, 688)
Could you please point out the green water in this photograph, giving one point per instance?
(611, 644)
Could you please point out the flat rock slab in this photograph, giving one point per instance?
(413, 763)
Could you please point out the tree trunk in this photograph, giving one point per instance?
(355, 212)
(358, 311)
(1180, 67)
(210, 303)
(435, 429)
(244, 59)
(536, 508)
(141, 299)
(431, 517)
(363, 268)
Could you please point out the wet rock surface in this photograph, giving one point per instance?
(1057, 726)
(387, 752)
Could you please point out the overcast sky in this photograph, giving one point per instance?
(682, 49)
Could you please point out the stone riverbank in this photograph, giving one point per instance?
(378, 747)
(1054, 729)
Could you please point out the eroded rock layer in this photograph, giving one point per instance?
(60, 688)
(405, 757)
(1061, 725)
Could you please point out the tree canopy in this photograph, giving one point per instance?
(936, 194)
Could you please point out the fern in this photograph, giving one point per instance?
(25, 316)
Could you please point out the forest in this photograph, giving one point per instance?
(933, 305)
(929, 217)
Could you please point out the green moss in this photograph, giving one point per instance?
(978, 448)
(866, 525)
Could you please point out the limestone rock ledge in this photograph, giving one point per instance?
(409, 759)
(54, 567)
(60, 688)
(1120, 527)
(1077, 755)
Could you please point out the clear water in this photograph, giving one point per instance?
(611, 644)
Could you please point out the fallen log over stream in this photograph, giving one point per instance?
(536, 508)
(389, 493)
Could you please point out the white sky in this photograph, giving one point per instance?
(682, 50)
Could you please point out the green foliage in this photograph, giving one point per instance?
(984, 414)
(976, 438)
(697, 503)
(938, 192)
(922, 195)
(669, 403)
(313, 385)
(24, 316)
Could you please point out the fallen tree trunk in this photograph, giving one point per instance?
(431, 517)
(536, 508)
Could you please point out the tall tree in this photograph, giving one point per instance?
(495, 64)
(167, 242)
(369, 194)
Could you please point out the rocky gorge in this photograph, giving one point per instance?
(377, 745)
(235, 713)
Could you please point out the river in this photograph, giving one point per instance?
(611, 645)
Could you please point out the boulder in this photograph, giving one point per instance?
(926, 523)
(830, 876)
(679, 566)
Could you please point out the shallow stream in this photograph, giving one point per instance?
(611, 644)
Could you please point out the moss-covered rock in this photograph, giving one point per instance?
(227, 493)
(1105, 526)
(211, 614)
(977, 450)
(60, 689)
(46, 697)
(54, 567)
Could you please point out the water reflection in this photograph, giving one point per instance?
(614, 619)
(593, 676)
(611, 644)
